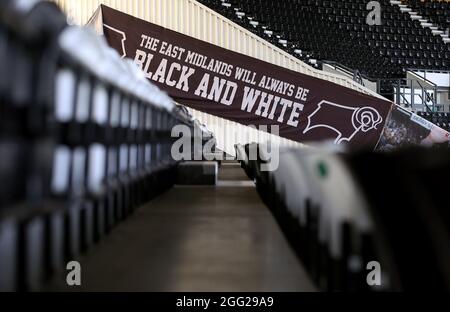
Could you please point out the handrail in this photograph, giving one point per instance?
(425, 79)
(427, 95)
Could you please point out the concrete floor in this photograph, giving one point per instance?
(198, 238)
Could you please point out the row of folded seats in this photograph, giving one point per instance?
(439, 119)
(349, 215)
(84, 140)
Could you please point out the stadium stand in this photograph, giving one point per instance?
(85, 140)
(437, 12)
(337, 31)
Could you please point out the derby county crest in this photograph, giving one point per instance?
(357, 119)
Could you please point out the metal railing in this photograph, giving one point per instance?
(411, 93)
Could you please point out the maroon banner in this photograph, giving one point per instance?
(244, 89)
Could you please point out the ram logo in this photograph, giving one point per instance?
(116, 38)
(346, 121)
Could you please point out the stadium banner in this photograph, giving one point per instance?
(405, 128)
(243, 89)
